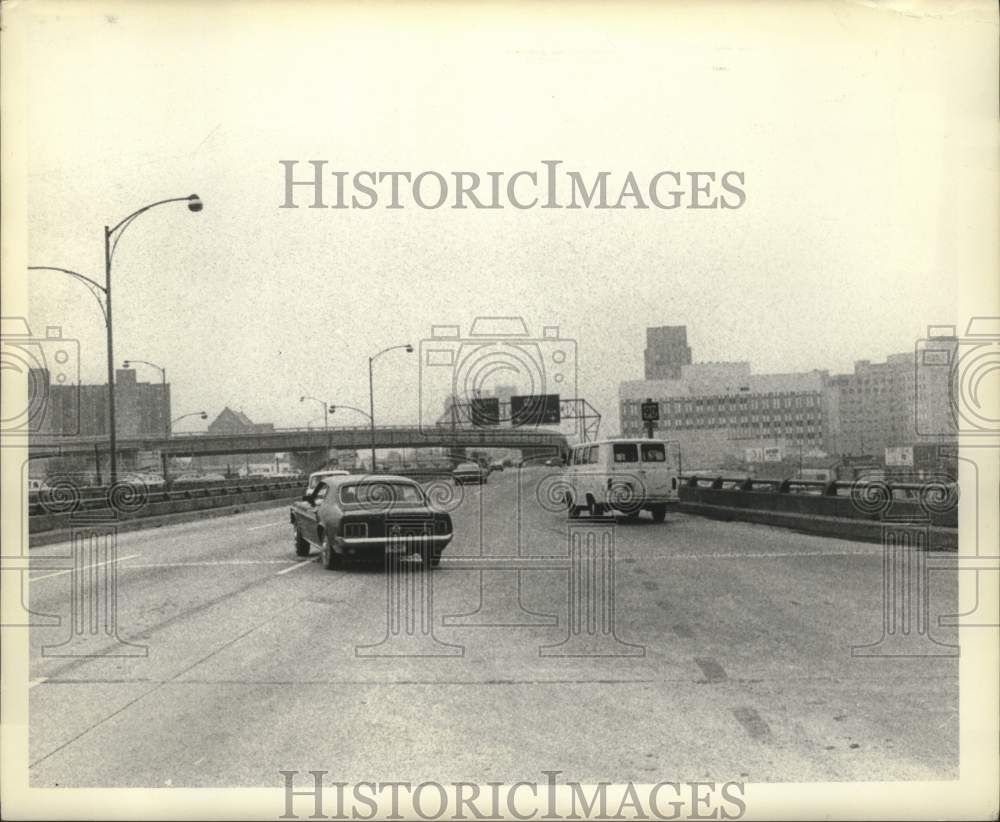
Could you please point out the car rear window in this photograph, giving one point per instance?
(380, 493)
(625, 452)
(653, 452)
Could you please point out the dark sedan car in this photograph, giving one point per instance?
(367, 517)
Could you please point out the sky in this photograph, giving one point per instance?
(863, 135)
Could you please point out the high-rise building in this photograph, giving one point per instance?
(667, 350)
(141, 408)
(716, 411)
(882, 405)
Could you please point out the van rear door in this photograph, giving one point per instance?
(658, 474)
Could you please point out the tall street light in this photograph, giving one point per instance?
(201, 414)
(164, 460)
(163, 381)
(111, 237)
(371, 391)
(326, 408)
(365, 414)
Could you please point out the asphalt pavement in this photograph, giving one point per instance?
(716, 651)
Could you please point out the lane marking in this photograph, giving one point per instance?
(84, 568)
(267, 525)
(766, 555)
(297, 565)
(35, 682)
(712, 670)
(215, 651)
(208, 563)
(752, 723)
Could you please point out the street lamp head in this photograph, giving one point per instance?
(302, 399)
(126, 364)
(409, 348)
(194, 203)
(204, 416)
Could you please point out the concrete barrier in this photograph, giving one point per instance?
(853, 517)
(160, 505)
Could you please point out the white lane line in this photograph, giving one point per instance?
(297, 565)
(35, 682)
(210, 563)
(84, 568)
(762, 555)
(267, 525)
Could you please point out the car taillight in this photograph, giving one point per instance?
(355, 530)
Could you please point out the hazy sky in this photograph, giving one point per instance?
(861, 133)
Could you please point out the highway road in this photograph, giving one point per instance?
(733, 661)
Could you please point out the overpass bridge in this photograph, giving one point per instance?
(530, 441)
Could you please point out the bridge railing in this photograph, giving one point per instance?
(67, 498)
(54, 439)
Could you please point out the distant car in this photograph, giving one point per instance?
(469, 472)
(147, 479)
(316, 476)
(192, 479)
(364, 516)
(496, 465)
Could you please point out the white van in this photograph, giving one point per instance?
(621, 475)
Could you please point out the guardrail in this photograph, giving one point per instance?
(854, 510)
(98, 439)
(62, 493)
(126, 505)
(903, 490)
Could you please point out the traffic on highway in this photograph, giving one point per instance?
(731, 640)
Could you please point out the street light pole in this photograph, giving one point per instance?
(371, 390)
(195, 205)
(112, 438)
(333, 410)
(163, 383)
(201, 414)
(164, 459)
(371, 408)
(326, 428)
